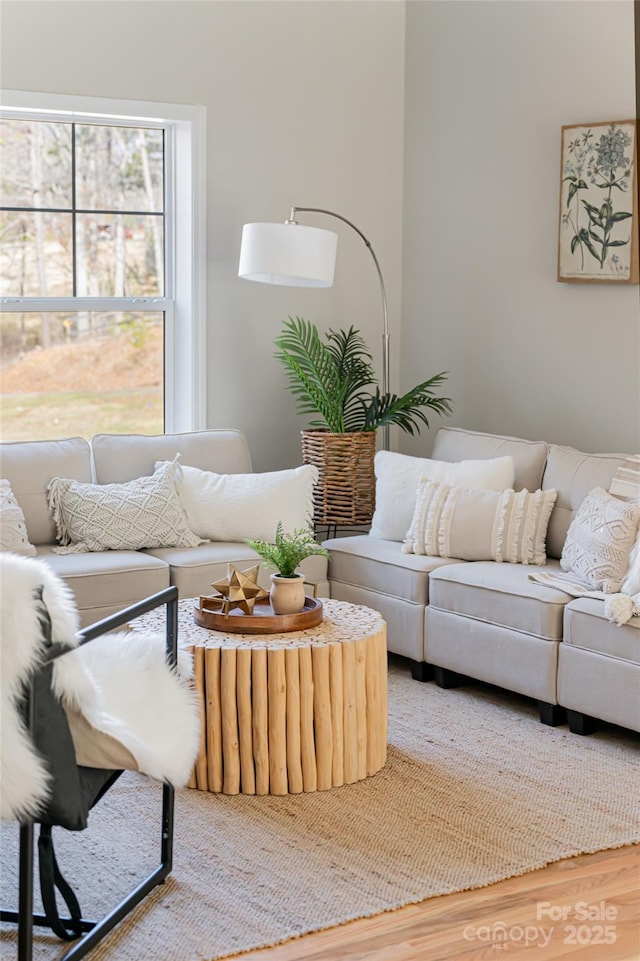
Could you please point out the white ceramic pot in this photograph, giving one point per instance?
(287, 594)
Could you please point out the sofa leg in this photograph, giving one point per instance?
(551, 714)
(421, 671)
(582, 723)
(446, 678)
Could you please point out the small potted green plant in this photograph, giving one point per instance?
(285, 554)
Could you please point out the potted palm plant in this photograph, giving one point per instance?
(334, 380)
(285, 554)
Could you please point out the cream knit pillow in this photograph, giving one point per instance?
(599, 540)
(145, 512)
(479, 525)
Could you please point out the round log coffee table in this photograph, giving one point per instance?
(287, 713)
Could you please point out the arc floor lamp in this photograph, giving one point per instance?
(294, 255)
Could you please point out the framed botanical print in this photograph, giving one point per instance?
(598, 228)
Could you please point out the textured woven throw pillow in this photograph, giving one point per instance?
(599, 540)
(480, 525)
(145, 512)
(13, 529)
(232, 507)
(398, 476)
(626, 486)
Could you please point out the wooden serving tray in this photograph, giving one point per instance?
(262, 621)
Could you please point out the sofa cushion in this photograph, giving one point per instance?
(145, 512)
(398, 477)
(379, 565)
(586, 627)
(13, 530)
(123, 457)
(193, 570)
(573, 474)
(108, 581)
(232, 507)
(480, 525)
(30, 465)
(501, 595)
(599, 540)
(529, 456)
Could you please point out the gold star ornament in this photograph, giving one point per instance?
(240, 589)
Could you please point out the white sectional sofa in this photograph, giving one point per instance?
(107, 581)
(457, 619)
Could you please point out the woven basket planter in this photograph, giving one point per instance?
(346, 488)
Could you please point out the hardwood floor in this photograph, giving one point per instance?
(600, 895)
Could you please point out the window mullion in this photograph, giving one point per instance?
(74, 238)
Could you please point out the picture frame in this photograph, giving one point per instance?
(598, 217)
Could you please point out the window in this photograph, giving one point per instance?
(101, 267)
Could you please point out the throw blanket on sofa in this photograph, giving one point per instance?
(120, 695)
(618, 608)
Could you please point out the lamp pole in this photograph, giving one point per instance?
(385, 313)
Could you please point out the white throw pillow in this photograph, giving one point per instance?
(232, 507)
(145, 512)
(599, 540)
(480, 525)
(13, 529)
(398, 476)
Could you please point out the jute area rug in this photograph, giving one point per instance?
(475, 790)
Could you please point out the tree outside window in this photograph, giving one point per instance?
(82, 226)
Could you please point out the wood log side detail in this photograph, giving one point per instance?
(229, 710)
(202, 781)
(245, 721)
(260, 719)
(214, 718)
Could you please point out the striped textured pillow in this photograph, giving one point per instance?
(626, 480)
(480, 525)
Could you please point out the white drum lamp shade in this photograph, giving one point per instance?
(291, 255)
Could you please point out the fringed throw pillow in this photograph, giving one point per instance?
(599, 540)
(145, 512)
(479, 525)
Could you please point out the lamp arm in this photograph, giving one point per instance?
(385, 313)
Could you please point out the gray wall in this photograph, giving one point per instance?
(488, 87)
(304, 106)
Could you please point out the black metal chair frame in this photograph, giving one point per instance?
(96, 930)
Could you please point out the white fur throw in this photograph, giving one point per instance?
(120, 683)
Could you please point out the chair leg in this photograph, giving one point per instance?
(95, 930)
(138, 894)
(25, 894)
